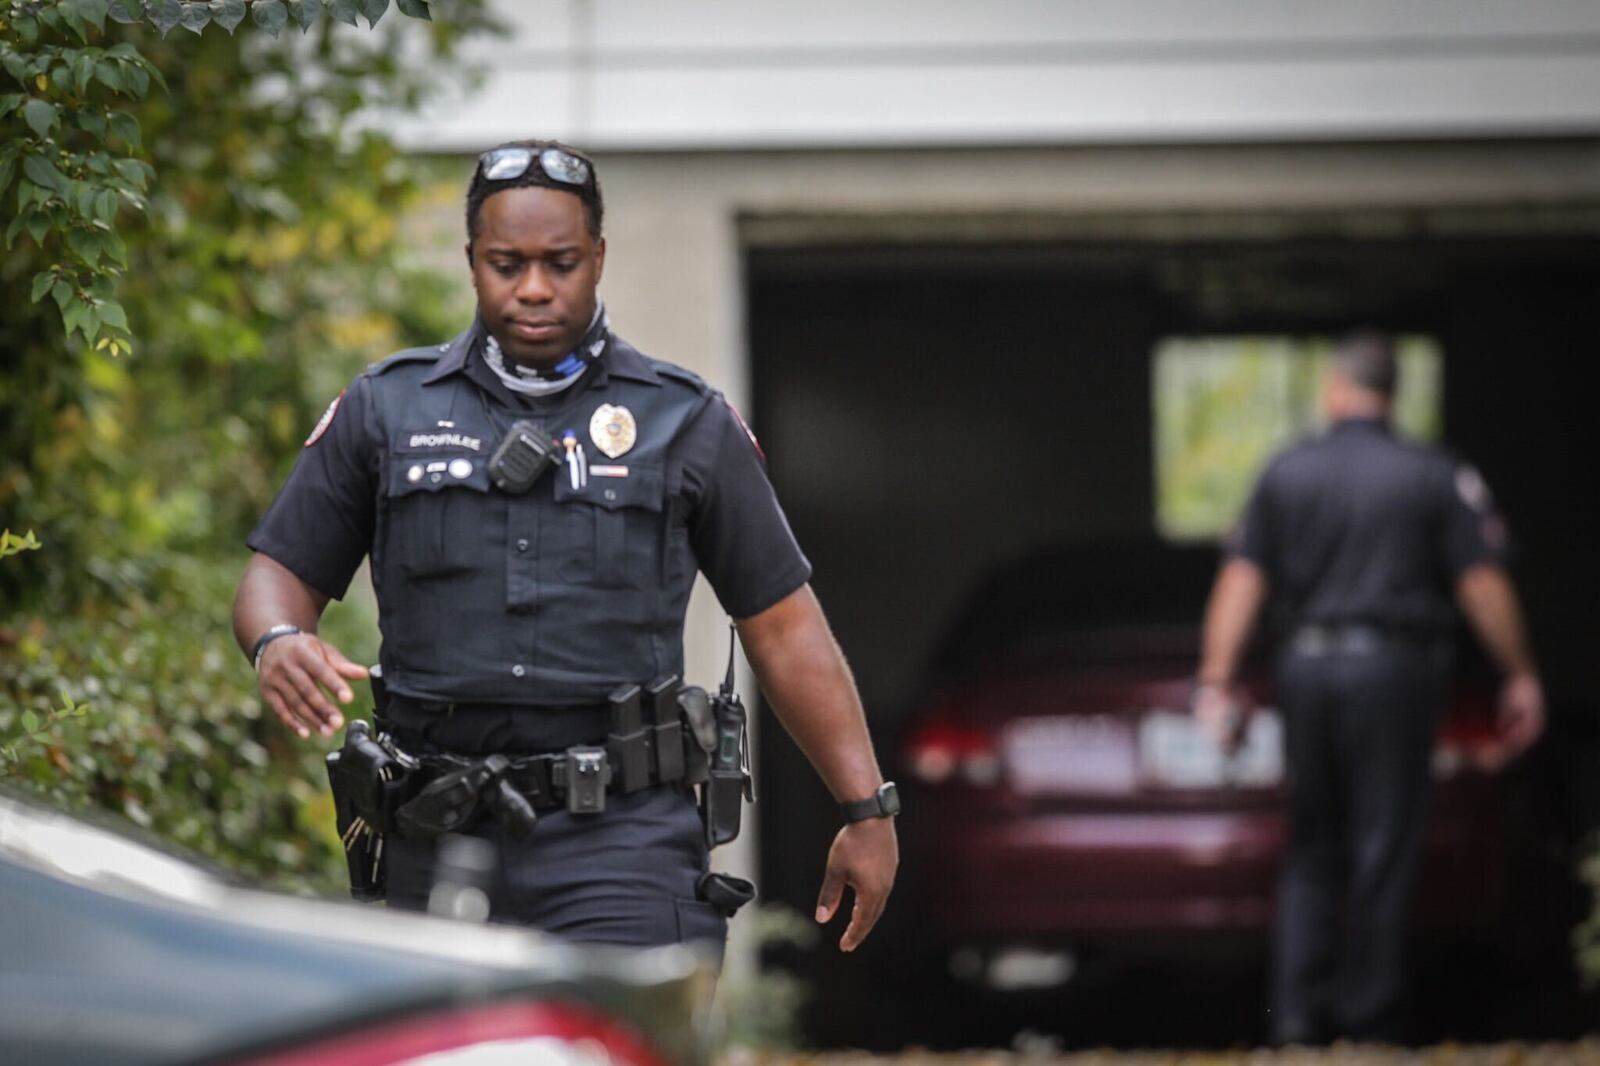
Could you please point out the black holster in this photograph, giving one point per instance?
(369, 780)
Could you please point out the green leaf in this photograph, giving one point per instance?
(84, 245)
(228, 13)
(124, 125)
(15, 228)
(303, 11)
(38, 227)
(270, 15)
(61, 293)
(113, 248)
(109, 71)
(82, 72)
(195, 16)
(105, 205)
(345, 11)
(10, 101)
(127, 12)
(165, 14)
(373, 10)
(41, 171)
(83, 198)
(131, 171)
(30, 722)
(73, 316)
(27, 29)
(68, 17)
(138, 78)
(93, 121)
(41, 116)
(93, 12)
(41, 285)
(417, 9)
(112, 314)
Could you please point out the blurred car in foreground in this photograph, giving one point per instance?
(113, 952)
(1064, 811)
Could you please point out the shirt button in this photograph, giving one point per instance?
(522, 544)
(517, 670)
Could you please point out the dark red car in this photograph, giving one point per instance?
(1063, 811)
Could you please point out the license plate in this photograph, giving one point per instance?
(1175, 753)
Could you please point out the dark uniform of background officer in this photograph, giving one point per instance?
(1362, 539)
(508, 619)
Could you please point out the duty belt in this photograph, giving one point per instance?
(661, 733)
(1316, 640)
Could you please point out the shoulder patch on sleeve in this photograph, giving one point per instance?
(1472, 489)
(325, 421)
(746, 427)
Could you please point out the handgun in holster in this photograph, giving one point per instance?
(368, 781)
(728, 782)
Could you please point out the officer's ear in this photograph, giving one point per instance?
(599, 259)
(468, 249)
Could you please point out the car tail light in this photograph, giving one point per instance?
(539, 1034)
(942, 750)
(1468, 744)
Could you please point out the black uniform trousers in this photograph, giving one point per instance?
(1359, 735)
(625, 876)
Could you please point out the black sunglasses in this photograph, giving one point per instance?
(503, 164)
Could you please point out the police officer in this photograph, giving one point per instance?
(1362, 539)
(509, 612)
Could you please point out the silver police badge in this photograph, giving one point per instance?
(613, 429)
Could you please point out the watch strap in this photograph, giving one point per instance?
(283, 629)
(883, 803)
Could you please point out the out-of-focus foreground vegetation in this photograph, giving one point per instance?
(264, 273)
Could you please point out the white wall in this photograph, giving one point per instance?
(696, 74)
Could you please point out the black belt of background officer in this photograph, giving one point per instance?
(1318, 639)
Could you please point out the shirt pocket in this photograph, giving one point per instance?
(615, 528)
(437, 510)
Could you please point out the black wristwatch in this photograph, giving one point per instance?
(884, 803)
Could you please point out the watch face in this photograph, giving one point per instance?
(889, 798)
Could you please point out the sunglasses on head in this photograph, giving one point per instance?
(503, 164)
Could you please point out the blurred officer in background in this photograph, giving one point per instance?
(536, 497)
(1362, 540)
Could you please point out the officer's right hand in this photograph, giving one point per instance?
(1221, 711)
(298, 673)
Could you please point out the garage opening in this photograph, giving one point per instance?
(933, 409)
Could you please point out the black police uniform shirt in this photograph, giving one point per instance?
(553, 597)
(1360, 527)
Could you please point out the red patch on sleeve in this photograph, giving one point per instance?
(747, 430)
(325, 421)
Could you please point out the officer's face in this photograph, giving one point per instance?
(535, 267)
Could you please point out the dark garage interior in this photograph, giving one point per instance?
(931, 408)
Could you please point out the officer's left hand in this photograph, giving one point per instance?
(1521, 711)
(864, 856)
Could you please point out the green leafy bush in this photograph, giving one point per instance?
(264, 269)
